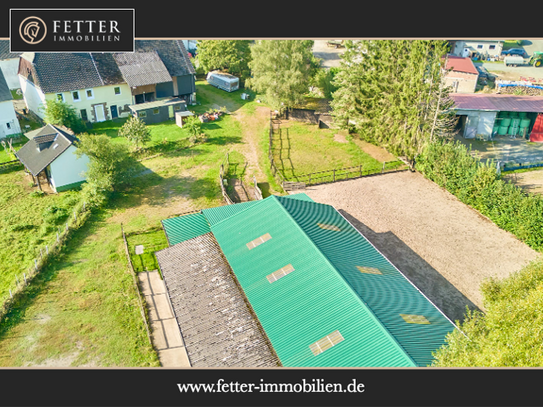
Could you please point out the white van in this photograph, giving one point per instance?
(223, 81)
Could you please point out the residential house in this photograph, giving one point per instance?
(50, 154)
(322, 293)
(472, 48)
(9, 124)
(9, 64)
(102, 86)
(461, 74)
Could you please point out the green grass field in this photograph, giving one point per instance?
(303, 148)
(82, 310)
(30, 221)
(152, 241)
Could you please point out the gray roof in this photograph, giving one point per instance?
(45, 146)
(64, 72)
(216, 324)
(4, 51)
(5, 93)
(171, 52)
(142, 68)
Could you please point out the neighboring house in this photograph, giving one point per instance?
(102, 86)
(461, 74)
(9, 124)
(323, 294)
(50, 152)
(9, 64)
(470, 48)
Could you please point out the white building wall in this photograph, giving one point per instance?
(104, 95)
(9, 69)
(67, 168)
(33, 96)
(8, 116)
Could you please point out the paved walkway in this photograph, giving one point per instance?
(165, 331)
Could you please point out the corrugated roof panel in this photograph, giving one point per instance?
(308, 304)
(185, 227)
(388, 295)
(216, 215)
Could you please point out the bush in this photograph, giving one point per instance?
(451, 166)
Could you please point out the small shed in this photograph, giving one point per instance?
(223, 81)
(180, 117)
(158, 110)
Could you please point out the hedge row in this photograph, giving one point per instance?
(451, 166)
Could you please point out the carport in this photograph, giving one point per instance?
(487, 115)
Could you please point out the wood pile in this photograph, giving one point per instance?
(520, 90)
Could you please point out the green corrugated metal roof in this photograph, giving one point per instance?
(347, 249)
(215, 215)
(185, 227)
(325, 292)
(309, 303)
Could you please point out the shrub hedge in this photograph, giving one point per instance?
(451, 166)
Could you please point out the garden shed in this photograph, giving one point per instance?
(159, 110)
(487, 115)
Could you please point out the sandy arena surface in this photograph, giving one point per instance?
(444, 247)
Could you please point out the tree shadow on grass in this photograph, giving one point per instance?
(56, 263)
(428, 280)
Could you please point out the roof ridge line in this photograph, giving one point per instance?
(95, 67)
(398, 270)
(346, 283)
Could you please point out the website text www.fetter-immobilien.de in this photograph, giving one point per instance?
(303, 386)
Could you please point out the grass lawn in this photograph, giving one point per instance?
(303, 148)
(30, 221)
(82, 310)
(152, 242)
(5, 155)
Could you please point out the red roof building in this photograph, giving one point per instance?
(462, 75)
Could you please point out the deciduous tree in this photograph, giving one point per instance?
(135, 131)
(232, 56)
(60, 113)
(281, 69)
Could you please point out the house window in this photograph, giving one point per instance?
(117, 90)
(491, 47)
(156, 111)
(89, 93)
(83, 113)
(60, 97)
(8, 126)
(75, 96)
(479, 46)
(143, 113)
(177, 107)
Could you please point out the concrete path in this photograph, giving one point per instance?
(165, 331)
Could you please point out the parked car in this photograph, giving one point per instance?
(515, 51)
(483, 73)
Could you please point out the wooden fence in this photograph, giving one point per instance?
(321, 177)
(143, 309)
(80, 215)
(223, 171)
(9, 165)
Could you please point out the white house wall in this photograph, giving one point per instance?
(104, 95)
(7, 115)
(9, 69)
(483, 122)
(67, 168)
(32, 95)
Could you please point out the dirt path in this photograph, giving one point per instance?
(531, 181)
(444, 247)
(253, 126)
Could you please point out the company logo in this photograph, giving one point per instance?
(72, 30)
(32, 30)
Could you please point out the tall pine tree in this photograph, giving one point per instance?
(391, 93)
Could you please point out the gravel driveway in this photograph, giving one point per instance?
(444, 247)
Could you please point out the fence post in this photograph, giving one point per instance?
(47, 249)
(360, 169)
(75, 216)
(41, 253)
(383, 170)
(10, 294)
(36, 264)
(17, 279)
(334, 173)
(66, 225)
(58, 241)
(24, 276)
